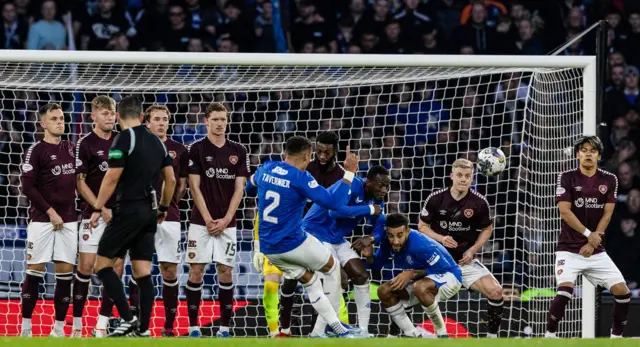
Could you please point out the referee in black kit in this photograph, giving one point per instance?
(136, 160)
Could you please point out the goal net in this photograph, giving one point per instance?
(413, 114)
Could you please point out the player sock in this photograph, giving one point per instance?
(270, 302)
(102, 322)
(494, 315)
(113, 284)
(170, 300)
(362, 296)
(193, 292)
(147, 296)
(29, 292)
(399, 316)
(62, 295)
(287, 298)
(225, 295)
(331, 286)
(322, 305)
(80, 290)
(134, 297)
(620, 312)
(558, 305)
(106, 306)
(26, 323)
(435, 316)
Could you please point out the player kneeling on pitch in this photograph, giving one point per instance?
(430, 274)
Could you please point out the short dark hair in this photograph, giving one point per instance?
(396, 220)
(297, 145)
(593, 140)
(377, 170)
(48, 108)
(328, 138)
(129, 107)
(215, 107)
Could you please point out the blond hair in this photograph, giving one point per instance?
(462, 163)
(153, 108)
(103, 101)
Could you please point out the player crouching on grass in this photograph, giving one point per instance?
(430, 274)
(586, 199)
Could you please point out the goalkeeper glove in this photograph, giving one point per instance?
(258, 257)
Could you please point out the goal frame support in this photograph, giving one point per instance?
(587, 63)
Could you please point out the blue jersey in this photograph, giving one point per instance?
(283, 191)
(332, 225)
(419, 253)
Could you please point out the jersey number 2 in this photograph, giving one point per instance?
(275, 196)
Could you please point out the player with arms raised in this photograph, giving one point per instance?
(218, 169)
(434, 273)
(283, 188)
(92, 152)
(331, 227)
(326, 171)
(48, 181)
(586, 199)
(459, 218)
(168, 236)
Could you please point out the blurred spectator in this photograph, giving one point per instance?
(627, 180)
(392, 42)
(527, 43)
(102, 27)
(476, 33)
(310, 26)
(235, 23)
(622, 100)
(430, 42)
(373, 21)
(176, 37)
(412, 21)
(623, 238)
(47, 33)
(263, 28)
(631, 41)
(616, 80)
(494, 9)
(14, 35)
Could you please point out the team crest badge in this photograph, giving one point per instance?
(85, 237)
(603, 189)
(468, 213)
(172, 154)
(192, 255)
(233, 159)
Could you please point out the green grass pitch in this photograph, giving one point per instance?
(304, 342)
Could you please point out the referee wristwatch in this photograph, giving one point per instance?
(95, 209)
(163, 208)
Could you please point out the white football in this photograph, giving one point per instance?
(491, 161)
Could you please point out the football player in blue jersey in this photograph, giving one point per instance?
(430, 274)
(331, 226)
(283, 189)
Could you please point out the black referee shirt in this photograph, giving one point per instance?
(142, 155)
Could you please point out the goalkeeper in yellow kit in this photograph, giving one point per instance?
(279, 327)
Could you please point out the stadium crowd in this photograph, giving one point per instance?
(414, 129)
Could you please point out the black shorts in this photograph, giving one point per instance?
(132, 228)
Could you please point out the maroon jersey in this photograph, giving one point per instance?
(218, 168)
(325, 178)
(587, 196)
(177, 152)
(49, 180)
(462, 219)
(92, 152)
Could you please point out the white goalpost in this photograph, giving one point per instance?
(413, 114)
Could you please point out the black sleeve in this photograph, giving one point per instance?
(120, 149)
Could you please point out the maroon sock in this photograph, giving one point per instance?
(29, 292)
(106, 306)
(62, 295)
(134, 297)
(225, 297)
(194, 296)
(287, 298)
(80, 290)
(620, 312)
(494, 315)
(170, 299)
(558, 305)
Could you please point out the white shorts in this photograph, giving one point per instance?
(473, 272)
(310, 255)
(203, 248)
(448, 286)
(90, 237)
(599, 269)
(342, 252)
(167, 241)
(45, 245)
